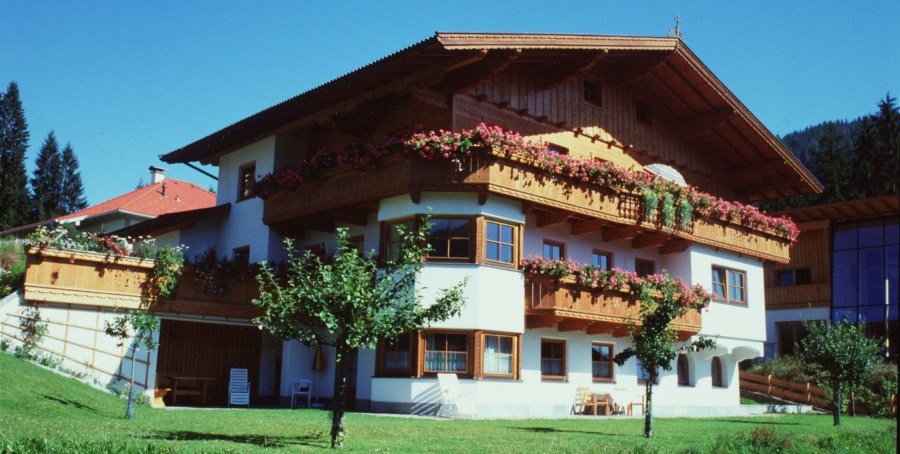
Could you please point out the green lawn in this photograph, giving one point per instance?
(36, 404)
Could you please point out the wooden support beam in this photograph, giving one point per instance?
(620, 233)
(647, 239)
(545, 218)
(573, 324)
(673, 246)
(621, 331)
(351, 216)
(639, 72)
(568, 70)
(752, 173)
(493, 64)
(700, 125)
(431, 97)
(582, 227)
(482, 197)
(600, 328)
(539, 321)
(415, 195)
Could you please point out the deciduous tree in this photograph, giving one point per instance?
(845, 352)
(139, 326)
(662, 300)
(349, 302)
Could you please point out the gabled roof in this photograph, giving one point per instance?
(169, 222)
(167, 196)
(709, 114)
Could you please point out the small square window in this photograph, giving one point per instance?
(449, 238)
(729, 285)
(499, 243)
(644, 267)
(554, 250)
(642, 113)
(593, 93)
(601, 259)
(553, 358)
(246, 180)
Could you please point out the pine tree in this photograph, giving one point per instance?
(46, 182)
(72, 189)
(832, 165)
(865, 149)
(14, 209)
(887, 125)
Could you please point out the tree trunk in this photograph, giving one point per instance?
(648, 415)
(338, 401)
(837, 401)
(852, 400)
(129, 410)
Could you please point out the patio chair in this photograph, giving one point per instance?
(302, 387)
(584, 400)
(239, 388)
(638, 402)
(453, 402)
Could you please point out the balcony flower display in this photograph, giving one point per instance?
(455, 146)
(592, 278)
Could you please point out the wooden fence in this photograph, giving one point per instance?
(796, 392)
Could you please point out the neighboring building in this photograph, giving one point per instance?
(159, 197)
(843, 267)
(521, 345)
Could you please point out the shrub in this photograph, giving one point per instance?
(49, 360)
(4, 344)
(791, 368)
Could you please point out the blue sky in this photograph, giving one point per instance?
(125, 82)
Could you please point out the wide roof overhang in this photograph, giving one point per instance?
(710, 117)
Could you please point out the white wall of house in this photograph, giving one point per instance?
(244, 226)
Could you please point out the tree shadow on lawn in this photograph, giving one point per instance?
(555, 430)
(314, 439)
(73, 403)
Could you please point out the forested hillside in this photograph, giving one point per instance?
(853, 159)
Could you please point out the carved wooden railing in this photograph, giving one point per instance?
(570, 305)
(195, 297)
(496, 173)
(85, 278)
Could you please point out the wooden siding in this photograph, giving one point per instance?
(563, 302)
(811, 251)
(551, 115)
(85, 278)
(208, 350)
(192, 298)
(505, 176)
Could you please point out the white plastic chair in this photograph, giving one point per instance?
(453, 402)
(239, 388)
(302, 387)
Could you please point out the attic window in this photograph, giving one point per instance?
(642, 113)
(553, 148)
(246, 178)
(592, 93)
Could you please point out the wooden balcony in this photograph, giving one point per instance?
(195, 298)
(85, 278)
(571, 308)
(337, 194)
(798, 296)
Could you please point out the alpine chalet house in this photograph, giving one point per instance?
(625, 153)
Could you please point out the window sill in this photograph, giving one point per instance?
(730, 303)
(604, 380)
(555, 378)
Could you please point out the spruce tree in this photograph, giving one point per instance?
(46, 182)
(887, 125)
(14, 209)
(832, 165)
(72, 189)
(865, 150)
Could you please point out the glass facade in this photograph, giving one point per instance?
(865, 261)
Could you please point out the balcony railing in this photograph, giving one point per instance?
(197, 296)
(797, 296)
(499, 174)
(569, 306)
(85, 278)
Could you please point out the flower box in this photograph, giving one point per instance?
(86, 278)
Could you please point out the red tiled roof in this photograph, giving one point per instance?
(167, 196)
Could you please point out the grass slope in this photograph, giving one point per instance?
(44, 412)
